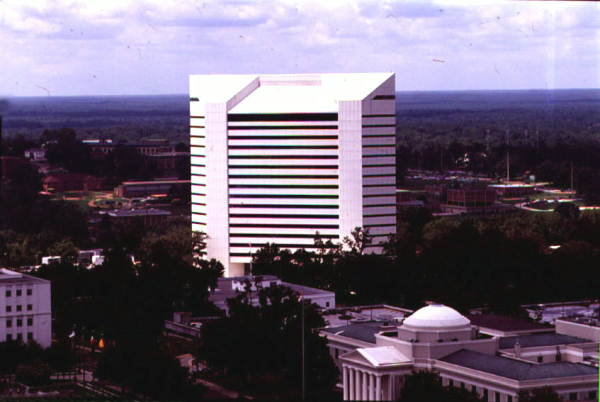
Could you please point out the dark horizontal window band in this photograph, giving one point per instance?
(275, 167)
(283, 147)
(197, 136)
(379, 155)
(197, 117)
(378, 205)
(290, 206)
(382, 165)
(292, 236)
(378, 215)
(379, 195)
(320, 127)
(378, 125)
(199, 213)
(198, 203)
(324, 186)
(283, 157)
(282, 117)
(198, 174)
(289, 196)
(197, 184)
(283, 137)
(314, 227)
(281, 245)
(379, 146)
(197, 127)
(380, 226)
(380, 175)
(284, 216)
(198, 165)
(380, 185)
(384, 97)
(378, 135)
(277, 176)
(378, 115)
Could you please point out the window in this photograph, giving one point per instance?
(8, 323)
(30, 336)
(509, 398)
(573, 396)
(540, 359)
(29, 321)
(19, 308)
(29, 307)
(19, 322)
(8, 309)
(326, 304)
(29, 292)
(8, 293)
(9, 337)
(19, 337)
(485, 394)
(451, 382)
(497, 397)
(19, 292)
(462, 385)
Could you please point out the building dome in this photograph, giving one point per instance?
(436, 316)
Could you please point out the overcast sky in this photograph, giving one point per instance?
(94, 47)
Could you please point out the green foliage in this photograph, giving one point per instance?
(425, 386)
(36, 373)
(262, 344)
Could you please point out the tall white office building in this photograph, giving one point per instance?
(25, 308)
(278, 158)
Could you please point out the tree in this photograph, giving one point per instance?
(544, 394)
(261, 345)
(567, 210)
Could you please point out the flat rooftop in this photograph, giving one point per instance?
(8, 277)
(516, 369)
(363, 332)
(504, 323)
(543, 339)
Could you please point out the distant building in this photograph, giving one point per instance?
(61, 182)
(35, 154)
(278, 158)
(25, 308)
(10, 164)
(131, 189)
(100, 148)
(168, 163)
(149, 216)
(375, 357)
(513, 190)
(471, 200)
(228, 288)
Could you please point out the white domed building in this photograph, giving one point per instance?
(374, 358)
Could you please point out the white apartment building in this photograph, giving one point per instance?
(25, 308)
(278, 158)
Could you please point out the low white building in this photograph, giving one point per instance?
(375, 358)
(25, 308)
(228, 288)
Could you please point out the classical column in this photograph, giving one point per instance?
(345, 382)
(364, 386)
(371, 387)
(351, 384)
(378, 388)
(358, 391)
(390, 384)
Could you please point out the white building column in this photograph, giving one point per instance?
(364, 386)
(358, 391)
(371, 387)
(351, 384)
(345, 381)
(389, 387)
(377, 388)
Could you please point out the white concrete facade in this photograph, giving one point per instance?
(25, 308)
(278, 158)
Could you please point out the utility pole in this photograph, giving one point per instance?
(572, 186)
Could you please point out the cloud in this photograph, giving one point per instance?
(150, 46)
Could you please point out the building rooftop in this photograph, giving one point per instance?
(504, 323)
(8, 277)
(543, 339)
(436, 316)
(286, 93)
(516, 369)
(119, 213)
(362, 332)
